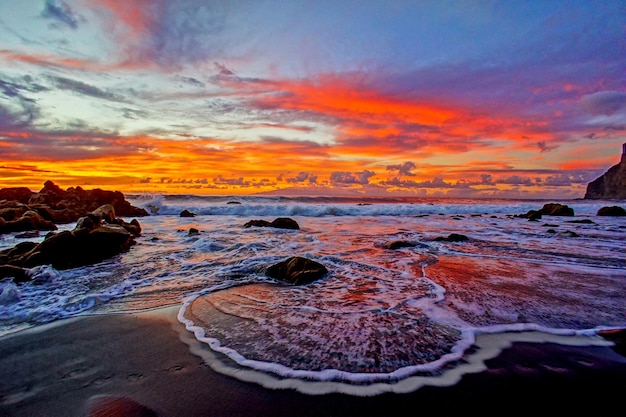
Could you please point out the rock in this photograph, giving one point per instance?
(19, 194)
(96, 237)
(280, 223)
(611, 184)
(30, 220)
(617, 336)
(297, 270)
(60, 207)
(105, 212)
(187, 213)
(549, 209)
(233, 202)
(453, 237)
(18, 274)
(398, 244)
(193, 231)
(615, 211)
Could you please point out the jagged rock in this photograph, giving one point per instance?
(615, 211)
(280, 223)
(611, 184)
(297, 270)
(60, 207)
(187, 213)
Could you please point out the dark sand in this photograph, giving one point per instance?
(63, 369)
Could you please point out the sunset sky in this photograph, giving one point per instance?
(443, 98)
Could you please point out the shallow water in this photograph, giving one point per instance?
(379, 314)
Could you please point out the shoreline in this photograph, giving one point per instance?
(61, 368)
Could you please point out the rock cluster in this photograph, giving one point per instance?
(549, 209)
(96, 237)
(22, 210)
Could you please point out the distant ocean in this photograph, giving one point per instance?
(380, 316)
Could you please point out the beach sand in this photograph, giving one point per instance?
(74, 367)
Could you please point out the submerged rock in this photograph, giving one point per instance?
(398, 244)
(453, 237)
(297, 270)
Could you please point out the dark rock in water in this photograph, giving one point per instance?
(280, 223)
(453, 237)
(187, 213)
(398, 244)
(615, 211)
(549, 209)
(611, 184)
(193, 231)
(297, 270)
(18, 274)
(233, 202)
(568, 233)
(582, 221)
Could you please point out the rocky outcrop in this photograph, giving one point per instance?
(96, 237)
(297, 270)
(280, 223)
(611, 184)
(52, 205)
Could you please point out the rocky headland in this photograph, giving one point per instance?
(611, 184)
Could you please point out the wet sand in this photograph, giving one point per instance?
(70, 367)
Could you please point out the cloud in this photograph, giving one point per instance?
(403, 169)
(61, 13)
(231, 181)
(516, 180)
(347, 178)
(436, 182)
(606, 103)
(301, 177)
(85, 89)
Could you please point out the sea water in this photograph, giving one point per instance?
(379, 316)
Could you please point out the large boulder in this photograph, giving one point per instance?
(297, 270)
(615, 211)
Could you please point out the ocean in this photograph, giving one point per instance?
(381, 319)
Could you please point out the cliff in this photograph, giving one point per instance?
(612, 184)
